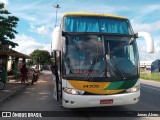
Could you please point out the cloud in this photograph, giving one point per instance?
(4, 1)
(157, 44)
(25, 16)
(35, 14)
(28, 44)
(100, 7)
(146, 14)
(152, 28)
(149, 9)
(142, 48)
(44, 30)
(147, 19)
(33, 11)
(148, 27)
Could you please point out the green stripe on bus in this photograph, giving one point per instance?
(121, 85)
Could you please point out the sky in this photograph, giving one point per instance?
(37, 20)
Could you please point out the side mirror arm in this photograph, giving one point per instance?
(148, 39)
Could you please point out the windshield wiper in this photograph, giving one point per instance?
(118, 67)
(94, 61)
(115, 62)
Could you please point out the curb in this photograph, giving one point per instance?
(14, 93)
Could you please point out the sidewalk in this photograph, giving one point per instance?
(12, 88)
(150, 82)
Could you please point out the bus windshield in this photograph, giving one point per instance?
(105, 56)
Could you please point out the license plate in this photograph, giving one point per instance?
(109, 101)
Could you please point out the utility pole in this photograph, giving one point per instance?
(57, 7)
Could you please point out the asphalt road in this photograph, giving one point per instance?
(39, 97)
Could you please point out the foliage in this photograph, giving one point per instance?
(29, 63)
(149, 76)
(41, 56)
(7, 25)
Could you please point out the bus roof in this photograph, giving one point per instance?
(92, 14)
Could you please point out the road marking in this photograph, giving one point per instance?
(149, 86)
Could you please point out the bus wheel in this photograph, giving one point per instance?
(2, 85)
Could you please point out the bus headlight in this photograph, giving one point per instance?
(73, 91)
(133, 89)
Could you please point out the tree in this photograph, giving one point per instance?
(41, 56)
(7, 27)
(29, 63)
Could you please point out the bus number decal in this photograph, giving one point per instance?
(90, 86)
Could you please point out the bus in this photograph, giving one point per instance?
(96, 60)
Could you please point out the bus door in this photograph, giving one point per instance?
(57, 81)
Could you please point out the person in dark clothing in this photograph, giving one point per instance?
(24, 72)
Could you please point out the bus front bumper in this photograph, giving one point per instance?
(80, 101)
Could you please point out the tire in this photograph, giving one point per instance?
(2, 85)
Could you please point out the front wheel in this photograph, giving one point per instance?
(2, 85)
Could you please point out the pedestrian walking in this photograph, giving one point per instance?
(24, 72)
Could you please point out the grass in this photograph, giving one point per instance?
(149, 76)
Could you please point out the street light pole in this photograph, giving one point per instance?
(57, 7)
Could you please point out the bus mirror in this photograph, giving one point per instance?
(57, 39)
(148, 39)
